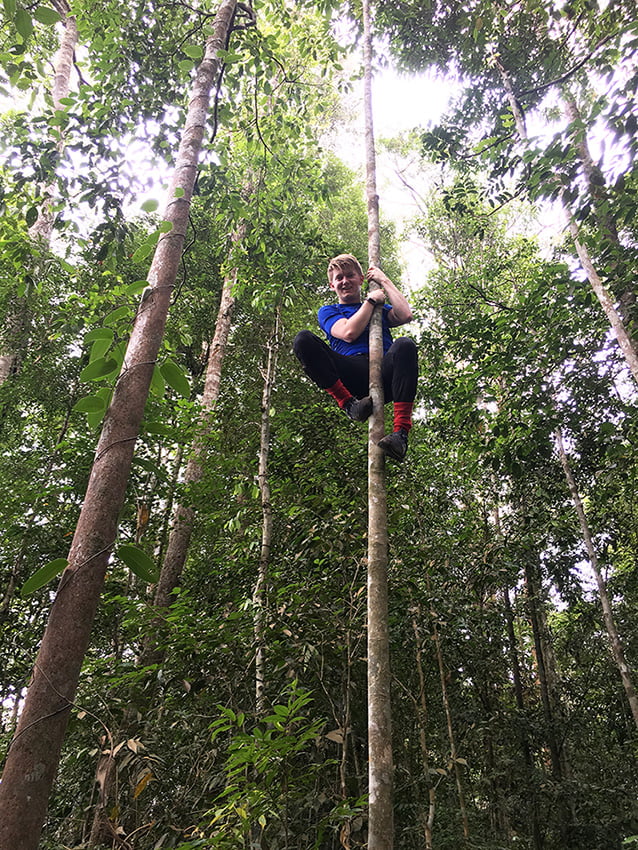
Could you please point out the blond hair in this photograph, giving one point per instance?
(343, 262)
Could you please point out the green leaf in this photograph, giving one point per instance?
(193, 50)
(158, 428)
(150, 206)
(31, 216)
(185, 65)
(90, 404)
(115, 315)
(98, 369)
(23, 23)
(143, 251)
(99, 333)
(138, 562)
(43, 576)
(9, 8)
(175, 378)
(46, 15)
(136, 287)
(94, 419)
(179, 192)
(158, 383)
(99, 349)
(144, 463)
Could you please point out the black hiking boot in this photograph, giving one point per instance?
(358, 409)
(395, 445)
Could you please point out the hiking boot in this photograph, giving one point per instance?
(358, 409)
(395, 445)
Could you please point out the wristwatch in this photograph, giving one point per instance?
(371, 300)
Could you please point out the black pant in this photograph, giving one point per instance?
(325, 367)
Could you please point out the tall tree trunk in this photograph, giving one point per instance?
(549, 701)
(617, 650)
(422, 712)
(184, 514)
(533, 603)
(381, 769)
(34, 755)
(43, 226)
(525, 745)
(625, 341)
(259, 592)
(593, 174)
(450, 725)
(537, 835)
(176, 551)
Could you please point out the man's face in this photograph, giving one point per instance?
(347, 284)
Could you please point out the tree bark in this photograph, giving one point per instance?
(625, 341)
(43, 226)
(537, 836)
(380, 770)
(35, 750)
(422, 711)
(259, 592)
(450, 726)
(184, 514)
(617, 649)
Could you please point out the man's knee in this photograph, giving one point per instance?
(405, 348)
(304, 341)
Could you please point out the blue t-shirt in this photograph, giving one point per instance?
(331, 313)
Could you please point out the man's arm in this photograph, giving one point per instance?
(401, 311)
(351, 329)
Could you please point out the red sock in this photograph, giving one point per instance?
(339, 393)
(403, 415)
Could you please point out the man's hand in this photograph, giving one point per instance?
(400, 312)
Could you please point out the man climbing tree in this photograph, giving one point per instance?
(342, 369)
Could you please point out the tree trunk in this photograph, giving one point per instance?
(537, 836)
(184, 515)
(259, 592)
(41, 229)
(422, 711)
(35, 750)
(617, 650)
(593, 174)
(380, 770)
(549, 701)
(623, 337)
(450, 726)
(533, 603)
(178, 540)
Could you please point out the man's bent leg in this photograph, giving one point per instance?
(400, 373)
(322, 366)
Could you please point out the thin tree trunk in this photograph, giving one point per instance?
(184, 514)
(623, 337)
(380, 770)
(428, 821)
(593, 174)
(533, 603)
(259, 592)
(537, 837)
(41, 229)
(617, 650)
(450, 727)
(43, 226)
(526, 749)
(34, 755)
